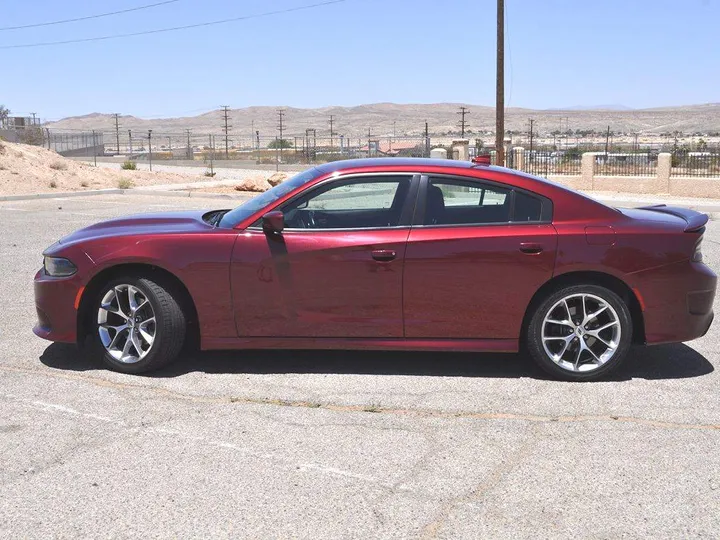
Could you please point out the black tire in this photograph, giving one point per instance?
(170, 326)
(534, 339)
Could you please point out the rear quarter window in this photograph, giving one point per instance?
(527, 207)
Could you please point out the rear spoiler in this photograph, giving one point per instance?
(694, 220)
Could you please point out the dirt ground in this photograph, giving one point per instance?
(26, 169)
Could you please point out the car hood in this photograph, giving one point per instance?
(158, 223)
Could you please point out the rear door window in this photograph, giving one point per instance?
(451, 201)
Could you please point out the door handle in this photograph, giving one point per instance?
(383, 255)
(530, 247)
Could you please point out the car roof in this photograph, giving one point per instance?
(399, 162)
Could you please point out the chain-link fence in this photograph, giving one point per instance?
(538, 156)
(307, 148)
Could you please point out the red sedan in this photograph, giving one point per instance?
(386, 254)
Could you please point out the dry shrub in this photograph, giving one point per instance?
(125, 183)
(58, 166)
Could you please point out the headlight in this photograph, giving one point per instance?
(59, 267)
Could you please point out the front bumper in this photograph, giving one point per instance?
(55, 301)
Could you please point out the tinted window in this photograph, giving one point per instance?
(459, 202)
(367, 202)
(527, 207)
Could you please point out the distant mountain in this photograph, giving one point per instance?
(382, 119)
(612, 107)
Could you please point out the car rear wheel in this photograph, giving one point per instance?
(580, 333)
(140, 325)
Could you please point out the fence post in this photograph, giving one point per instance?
(664, 166)
(94, 148)
(587, 170)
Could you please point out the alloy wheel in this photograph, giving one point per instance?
(581, 332)
(126, 323)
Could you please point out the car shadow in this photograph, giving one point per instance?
(677, 361)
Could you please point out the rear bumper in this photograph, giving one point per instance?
(55, 306)
(678, 301)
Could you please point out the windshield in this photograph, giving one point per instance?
(247, 209)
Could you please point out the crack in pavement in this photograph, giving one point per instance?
(293, 464)
(495, 478)
(416, 413)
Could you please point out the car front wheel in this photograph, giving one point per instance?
(580, 333)
(140, 325)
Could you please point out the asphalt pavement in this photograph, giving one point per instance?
(338, 444)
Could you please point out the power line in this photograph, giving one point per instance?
(186, 27)
(99, 15)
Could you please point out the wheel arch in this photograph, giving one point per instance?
(138, 270)
(602, 279)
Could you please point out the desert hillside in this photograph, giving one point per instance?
(383, 118)
(31, 169)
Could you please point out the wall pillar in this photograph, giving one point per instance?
(519, 158)
(663, 172)
(462, 147)
(587, 170)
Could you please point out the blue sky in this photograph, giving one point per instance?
(638, 53)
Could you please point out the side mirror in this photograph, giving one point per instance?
(273, 222)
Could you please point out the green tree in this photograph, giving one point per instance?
(280, 143)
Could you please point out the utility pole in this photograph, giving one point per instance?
(150, 147)
(116, 116)
(226, 128)
(188, 152)
(281, 125)
(211, 142)
(531, 138)
(427, 140)
(332, 133)
(369, 142)
(607, 142)
(500, 86)
(462, 112)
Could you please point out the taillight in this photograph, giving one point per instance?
(697, 255)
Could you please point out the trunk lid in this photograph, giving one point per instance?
(690, 220)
